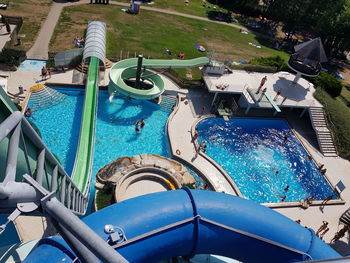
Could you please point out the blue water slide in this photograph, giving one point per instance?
(185, 222)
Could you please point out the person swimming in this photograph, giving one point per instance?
(28, 112)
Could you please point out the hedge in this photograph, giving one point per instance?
(12, 57)
(329, 83)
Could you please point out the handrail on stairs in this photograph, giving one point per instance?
(27, 153)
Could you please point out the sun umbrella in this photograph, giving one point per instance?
(312, 50)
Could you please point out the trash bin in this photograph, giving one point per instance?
(20, 88)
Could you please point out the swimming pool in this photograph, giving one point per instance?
(253, 150)
(32, 65)
(59, 125)
(115, 128)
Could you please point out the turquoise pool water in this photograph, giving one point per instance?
(115, 128)
(252, 150)
(59, 125)
(32, 65)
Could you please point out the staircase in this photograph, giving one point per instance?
(167, 103)
(84, 67)
(45, 98)
(345, 217)
(324, 136)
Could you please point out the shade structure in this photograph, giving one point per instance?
(308, 57)
(312, 50)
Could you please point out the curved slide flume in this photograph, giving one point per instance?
(81, 174)
(183, 222)
(126, 69)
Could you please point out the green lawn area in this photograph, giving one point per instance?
(195, 7)
(345, 93)
(339, 114)
(150, 32)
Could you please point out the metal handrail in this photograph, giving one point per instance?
(47, 171)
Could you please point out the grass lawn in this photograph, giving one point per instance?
(345, 93)
(150, 32)
(340, 116)
(34, 13)
(195, 7)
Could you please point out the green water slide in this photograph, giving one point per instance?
(81, 174)
(126, 69)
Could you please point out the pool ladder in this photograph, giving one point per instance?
(45, 98)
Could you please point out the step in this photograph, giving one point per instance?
(328, 150)
(328, 144)
(326, 139)
(324, 135)
(318, 118)
(324, 150)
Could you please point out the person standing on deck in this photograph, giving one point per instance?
(262, 83)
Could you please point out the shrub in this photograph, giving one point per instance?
(75, 61)
(12, 57)
(256, 68)
(329, 83)
(103, 199)
(276, 61)
(50, 63)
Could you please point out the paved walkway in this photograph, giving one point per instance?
(179, 131)
(171, 12)
(40, 48)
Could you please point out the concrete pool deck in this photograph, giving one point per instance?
(298, 95)
(189, 112)
(337, 168)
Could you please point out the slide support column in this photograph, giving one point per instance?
(138, 71)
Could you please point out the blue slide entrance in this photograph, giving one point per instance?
(184, 223)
